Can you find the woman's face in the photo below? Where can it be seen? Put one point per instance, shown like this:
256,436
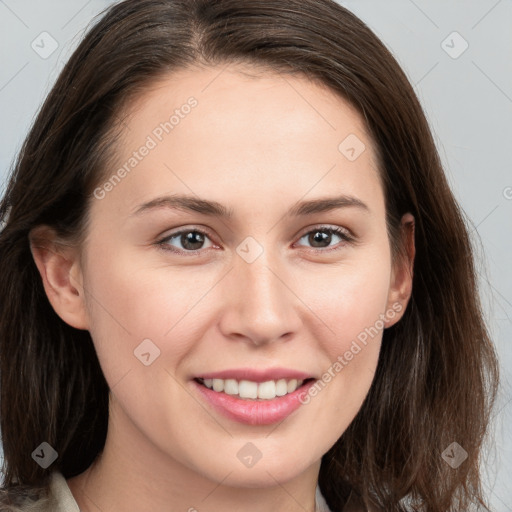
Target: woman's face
174,293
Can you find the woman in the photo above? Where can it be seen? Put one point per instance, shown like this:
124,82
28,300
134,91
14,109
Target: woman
174,335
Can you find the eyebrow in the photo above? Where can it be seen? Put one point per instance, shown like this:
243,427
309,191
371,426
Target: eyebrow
215,209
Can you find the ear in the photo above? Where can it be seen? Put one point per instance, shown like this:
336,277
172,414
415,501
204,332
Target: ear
402,274
59,266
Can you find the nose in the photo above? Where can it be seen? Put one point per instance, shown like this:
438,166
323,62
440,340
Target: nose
261,306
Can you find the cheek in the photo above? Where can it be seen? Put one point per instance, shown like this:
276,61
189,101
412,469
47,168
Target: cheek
351,308
348,300
129,302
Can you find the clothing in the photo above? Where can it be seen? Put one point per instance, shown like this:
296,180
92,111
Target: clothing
60,499
321,505
64,500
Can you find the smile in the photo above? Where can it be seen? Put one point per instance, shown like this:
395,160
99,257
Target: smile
247,389
264,406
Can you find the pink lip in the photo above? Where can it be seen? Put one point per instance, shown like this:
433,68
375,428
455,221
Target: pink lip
253,412
255,375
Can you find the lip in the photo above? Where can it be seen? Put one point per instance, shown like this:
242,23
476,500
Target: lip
253,412
256,375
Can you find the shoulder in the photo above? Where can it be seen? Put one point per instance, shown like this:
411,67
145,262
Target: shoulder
13,501
25,498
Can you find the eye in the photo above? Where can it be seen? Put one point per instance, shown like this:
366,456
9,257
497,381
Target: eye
191,241
322,235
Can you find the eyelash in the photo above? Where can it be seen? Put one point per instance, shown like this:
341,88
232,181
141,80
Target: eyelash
348,239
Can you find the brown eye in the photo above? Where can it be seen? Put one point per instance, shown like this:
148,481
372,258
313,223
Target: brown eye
323,236
191,240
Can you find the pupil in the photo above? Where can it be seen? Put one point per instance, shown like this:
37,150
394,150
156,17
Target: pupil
189,239
323,237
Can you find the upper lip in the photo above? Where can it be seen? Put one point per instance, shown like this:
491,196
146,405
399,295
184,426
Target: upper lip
256,375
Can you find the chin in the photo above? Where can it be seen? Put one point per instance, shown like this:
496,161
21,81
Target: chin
269,474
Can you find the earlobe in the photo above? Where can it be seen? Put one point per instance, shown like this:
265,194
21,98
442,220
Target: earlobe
402,273
60,272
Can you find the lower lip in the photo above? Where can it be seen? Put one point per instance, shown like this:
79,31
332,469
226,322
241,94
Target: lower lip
254,412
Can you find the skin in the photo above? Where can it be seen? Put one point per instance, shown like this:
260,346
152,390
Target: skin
256,145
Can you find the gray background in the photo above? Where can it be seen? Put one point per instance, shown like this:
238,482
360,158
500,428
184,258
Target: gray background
467,96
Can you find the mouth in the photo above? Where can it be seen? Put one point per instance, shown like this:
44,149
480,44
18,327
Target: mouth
251,390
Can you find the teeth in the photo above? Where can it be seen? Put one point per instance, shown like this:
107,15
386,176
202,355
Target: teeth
292,385
248,389
267,390
281,387
253,390
230,386
218,385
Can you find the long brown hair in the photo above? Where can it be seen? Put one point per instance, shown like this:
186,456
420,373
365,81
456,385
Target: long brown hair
437,374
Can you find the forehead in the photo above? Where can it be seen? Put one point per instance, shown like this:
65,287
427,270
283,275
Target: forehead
223,128
238,90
